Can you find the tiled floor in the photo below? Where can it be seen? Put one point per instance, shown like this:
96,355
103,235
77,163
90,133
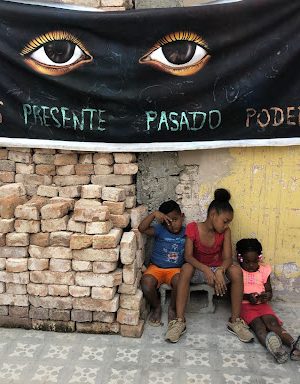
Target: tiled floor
206,354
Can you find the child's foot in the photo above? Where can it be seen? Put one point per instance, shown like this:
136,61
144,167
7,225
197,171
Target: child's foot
274,346
171,314
155,317
295,352
240,329
176,328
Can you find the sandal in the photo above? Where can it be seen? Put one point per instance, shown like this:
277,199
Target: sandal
295,347
274,346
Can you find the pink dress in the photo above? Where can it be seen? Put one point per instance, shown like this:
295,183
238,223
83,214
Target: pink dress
254,282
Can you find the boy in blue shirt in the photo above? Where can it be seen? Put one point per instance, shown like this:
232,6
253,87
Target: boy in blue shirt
167,257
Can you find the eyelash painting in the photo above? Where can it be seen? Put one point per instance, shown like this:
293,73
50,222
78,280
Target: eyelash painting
180,53
55,53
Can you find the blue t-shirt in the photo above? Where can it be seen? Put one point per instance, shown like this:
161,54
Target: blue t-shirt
168,248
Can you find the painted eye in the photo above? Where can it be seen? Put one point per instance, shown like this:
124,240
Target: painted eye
179,54
55,53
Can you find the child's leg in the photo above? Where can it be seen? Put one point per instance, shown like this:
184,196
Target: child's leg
272,325
172,306
149,287
259,328
183,289
236,277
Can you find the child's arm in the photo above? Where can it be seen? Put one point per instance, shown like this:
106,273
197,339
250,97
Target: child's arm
227,250
267,295
189,258
145,225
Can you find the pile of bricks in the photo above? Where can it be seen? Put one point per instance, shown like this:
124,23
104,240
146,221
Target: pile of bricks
70,252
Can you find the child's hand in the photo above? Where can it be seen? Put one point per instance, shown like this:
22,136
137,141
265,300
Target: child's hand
263,297
253,298
220,285
162,218
209,276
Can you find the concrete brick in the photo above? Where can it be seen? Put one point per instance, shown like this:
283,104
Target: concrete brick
113,194
3,154
70,191
83,266
128,247
7,177
90,210
111,180
63,170
55,225
7,166
10,299
102,328
18,311
101,169
103,293
43,158
130,289
12,189
53,325
4,310
31,182
115,207
132,330
75,226
80,241
91,191
137,215
38,313
84,169
89,279
112,3
38,264
65,158
63,181
13,252
30,226
109,240
2,287
104,317
90,254
104,266
16,265
45,169
17,239
103,158
131,301
128,316
49,277
59,314
130,273
20,157
54,210
85,158
76,291
140,258
81,316
120,221
98,227
47,191
51,302
40,239
60,239
89,304
16,289
37,289
16,278
7,225
126,169
58,290
130,190
60,265
67,200
45,151
2,264
8,205
130,202
27,169
124,157
31,209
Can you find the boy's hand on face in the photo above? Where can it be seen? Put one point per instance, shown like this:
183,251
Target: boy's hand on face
162,218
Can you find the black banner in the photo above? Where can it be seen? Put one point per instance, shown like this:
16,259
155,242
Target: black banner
187,77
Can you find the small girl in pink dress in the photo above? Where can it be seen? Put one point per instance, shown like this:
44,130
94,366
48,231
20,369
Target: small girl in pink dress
256,311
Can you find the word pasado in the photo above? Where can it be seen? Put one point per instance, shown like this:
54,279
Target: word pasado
179,121
273,117
63,117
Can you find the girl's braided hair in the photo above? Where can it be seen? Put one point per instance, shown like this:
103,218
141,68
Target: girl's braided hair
248,245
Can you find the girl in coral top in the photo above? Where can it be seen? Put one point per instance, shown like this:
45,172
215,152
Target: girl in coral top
208,257
255,308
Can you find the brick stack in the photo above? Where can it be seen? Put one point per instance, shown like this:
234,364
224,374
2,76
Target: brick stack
70,254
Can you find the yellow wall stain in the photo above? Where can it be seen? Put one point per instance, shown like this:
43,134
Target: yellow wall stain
264,183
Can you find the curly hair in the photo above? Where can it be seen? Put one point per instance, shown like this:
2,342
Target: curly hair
247,245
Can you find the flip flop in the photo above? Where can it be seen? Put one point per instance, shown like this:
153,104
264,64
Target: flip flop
295,346
274,346
155,323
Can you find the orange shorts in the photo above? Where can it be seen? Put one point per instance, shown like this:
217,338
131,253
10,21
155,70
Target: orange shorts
162,275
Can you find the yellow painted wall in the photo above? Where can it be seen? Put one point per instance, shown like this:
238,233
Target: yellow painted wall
265,187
